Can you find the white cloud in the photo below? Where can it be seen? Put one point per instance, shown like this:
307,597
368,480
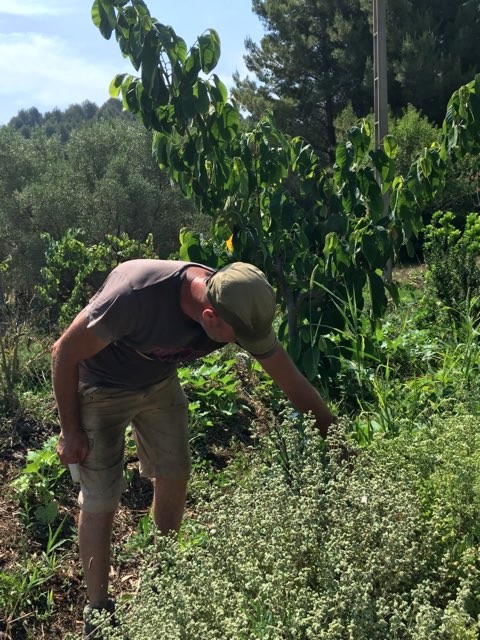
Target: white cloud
44,72
35,7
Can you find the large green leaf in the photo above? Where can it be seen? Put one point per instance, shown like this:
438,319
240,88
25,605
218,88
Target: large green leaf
218,90
200,97
116,85
390,146
192,65
104,18
370,251
385,166
188,103
130,96
209,48
377,294
240,176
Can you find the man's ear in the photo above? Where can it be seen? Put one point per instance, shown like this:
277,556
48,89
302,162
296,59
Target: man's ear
209,313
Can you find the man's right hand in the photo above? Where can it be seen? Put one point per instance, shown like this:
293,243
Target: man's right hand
73,447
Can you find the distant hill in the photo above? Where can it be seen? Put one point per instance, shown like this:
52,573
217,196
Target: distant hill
61,123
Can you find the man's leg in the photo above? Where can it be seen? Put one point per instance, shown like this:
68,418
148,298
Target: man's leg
169,503
94,538
162,439
105,414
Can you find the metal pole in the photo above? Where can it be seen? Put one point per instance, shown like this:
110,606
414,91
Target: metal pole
380,100
380,97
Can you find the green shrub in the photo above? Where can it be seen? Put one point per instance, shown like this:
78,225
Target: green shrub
303,547
75,270
413,133
452,255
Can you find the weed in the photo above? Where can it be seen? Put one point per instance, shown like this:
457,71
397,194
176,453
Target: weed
37,485
212,390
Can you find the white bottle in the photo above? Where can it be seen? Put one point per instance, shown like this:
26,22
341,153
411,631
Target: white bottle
74,472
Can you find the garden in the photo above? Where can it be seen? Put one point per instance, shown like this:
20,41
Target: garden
370,534
283,537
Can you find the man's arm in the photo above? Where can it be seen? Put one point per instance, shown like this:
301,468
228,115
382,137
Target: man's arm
75,345
304,397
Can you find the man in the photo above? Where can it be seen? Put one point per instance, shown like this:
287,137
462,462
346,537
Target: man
116,364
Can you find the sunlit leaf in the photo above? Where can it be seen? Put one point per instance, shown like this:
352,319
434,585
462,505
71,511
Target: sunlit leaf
104,18
390,146
116,85
209,48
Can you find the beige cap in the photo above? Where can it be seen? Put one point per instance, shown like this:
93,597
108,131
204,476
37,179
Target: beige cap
243,297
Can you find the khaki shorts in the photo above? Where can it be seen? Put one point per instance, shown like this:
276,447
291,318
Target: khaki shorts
159,419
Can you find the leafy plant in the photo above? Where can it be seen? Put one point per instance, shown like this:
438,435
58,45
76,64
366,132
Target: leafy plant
37,485
74,271
24,590
452,257
269,197
212,390
384,550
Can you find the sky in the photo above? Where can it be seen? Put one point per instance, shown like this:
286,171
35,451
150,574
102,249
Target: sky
52,55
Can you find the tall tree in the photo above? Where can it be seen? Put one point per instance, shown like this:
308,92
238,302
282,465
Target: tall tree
310,63
316,57
433,48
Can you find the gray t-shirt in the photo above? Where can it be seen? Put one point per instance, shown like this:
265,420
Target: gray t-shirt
137,311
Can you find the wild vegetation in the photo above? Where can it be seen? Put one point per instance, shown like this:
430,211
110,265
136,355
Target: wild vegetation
316,58
285,537
282,539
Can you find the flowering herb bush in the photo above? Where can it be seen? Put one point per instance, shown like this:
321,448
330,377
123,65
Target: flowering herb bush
305,546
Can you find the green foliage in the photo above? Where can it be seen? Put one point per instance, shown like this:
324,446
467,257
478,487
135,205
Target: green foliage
316,57
307,84
269,194
47,186
74,271
10,336
452,256
386,550
60,123
25,588
297,544
37,485
413,133
211,387
23,363
413,373
428,30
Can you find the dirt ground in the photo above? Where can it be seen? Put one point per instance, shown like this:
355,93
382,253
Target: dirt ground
17,543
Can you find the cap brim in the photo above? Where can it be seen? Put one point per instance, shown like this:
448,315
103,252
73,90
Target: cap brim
258,346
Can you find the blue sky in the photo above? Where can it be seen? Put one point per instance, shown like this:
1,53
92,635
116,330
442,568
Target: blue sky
51,54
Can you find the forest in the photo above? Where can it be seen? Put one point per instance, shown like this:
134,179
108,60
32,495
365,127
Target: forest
370,534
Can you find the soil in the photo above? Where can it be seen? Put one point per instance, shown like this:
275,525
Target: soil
413,275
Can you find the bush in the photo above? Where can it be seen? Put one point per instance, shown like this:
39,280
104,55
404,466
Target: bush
75,270
305,548
452,256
